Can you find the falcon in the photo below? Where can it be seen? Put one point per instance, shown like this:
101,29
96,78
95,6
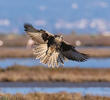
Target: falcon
52,49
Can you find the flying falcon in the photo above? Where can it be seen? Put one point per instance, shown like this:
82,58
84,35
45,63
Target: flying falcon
52,49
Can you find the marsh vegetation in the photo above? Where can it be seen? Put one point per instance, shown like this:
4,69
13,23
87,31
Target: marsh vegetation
36,73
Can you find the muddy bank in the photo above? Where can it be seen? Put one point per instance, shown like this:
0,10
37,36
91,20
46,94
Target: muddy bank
6,52
51,96
28,74
15,40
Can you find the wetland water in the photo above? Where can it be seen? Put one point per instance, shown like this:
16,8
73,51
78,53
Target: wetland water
102,89
90,63
93,88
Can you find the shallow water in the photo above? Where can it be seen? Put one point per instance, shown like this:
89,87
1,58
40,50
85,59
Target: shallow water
91,90
55,84
90,63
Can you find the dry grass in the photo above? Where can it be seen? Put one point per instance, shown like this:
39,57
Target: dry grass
14,40
96,52
54,96
6,52
88,40
56,74
13,43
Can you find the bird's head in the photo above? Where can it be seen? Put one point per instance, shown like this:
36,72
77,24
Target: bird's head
59,38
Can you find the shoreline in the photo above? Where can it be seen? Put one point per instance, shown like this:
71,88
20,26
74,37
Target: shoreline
52,96
41,74
54,85
7,52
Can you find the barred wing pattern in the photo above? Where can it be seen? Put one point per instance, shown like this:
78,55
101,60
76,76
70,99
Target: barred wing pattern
39,36
52,58
45,48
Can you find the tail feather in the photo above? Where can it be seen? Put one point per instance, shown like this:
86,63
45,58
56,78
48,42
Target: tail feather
49,62
56,57
45,59
52,62
52,58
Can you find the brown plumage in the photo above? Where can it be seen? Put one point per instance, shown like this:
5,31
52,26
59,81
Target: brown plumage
52,49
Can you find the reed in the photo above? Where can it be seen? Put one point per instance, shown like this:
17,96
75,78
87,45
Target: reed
52,96
39,73
6,52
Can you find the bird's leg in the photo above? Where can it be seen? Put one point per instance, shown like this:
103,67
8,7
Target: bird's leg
47,51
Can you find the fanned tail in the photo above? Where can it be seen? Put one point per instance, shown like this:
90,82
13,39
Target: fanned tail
52,62
56,59
52,58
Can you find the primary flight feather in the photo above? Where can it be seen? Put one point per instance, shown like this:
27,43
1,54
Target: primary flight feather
52,49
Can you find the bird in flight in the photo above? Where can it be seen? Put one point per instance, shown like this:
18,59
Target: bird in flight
52,49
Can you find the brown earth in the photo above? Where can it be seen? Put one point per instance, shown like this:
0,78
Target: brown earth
52,96
6,52
14,40
29,74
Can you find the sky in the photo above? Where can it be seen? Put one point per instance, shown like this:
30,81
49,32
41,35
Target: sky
56,16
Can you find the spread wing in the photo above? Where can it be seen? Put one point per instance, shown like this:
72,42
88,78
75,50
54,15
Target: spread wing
70,53
39,36
51,56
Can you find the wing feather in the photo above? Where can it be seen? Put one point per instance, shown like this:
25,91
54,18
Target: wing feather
40,51
39,36
47,53
75,55
69,52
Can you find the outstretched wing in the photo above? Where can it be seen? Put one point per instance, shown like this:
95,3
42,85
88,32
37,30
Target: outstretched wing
70,53
39,36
